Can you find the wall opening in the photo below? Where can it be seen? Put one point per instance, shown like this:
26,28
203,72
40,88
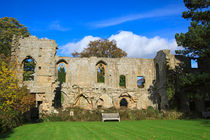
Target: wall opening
28,68
122,81
123,102
100,72
194,63
140,81
61,73
157,73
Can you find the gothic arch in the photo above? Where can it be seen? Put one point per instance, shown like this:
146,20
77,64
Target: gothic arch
83,101
126,100
123,102
101,61
61,70
101,71
28,66
61,61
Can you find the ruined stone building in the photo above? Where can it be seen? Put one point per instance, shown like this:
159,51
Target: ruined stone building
135,83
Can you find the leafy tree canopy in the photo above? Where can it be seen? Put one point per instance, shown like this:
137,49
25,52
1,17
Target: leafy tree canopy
8,28
196,41
101,48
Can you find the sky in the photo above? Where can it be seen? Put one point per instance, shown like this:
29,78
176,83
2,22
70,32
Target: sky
140,27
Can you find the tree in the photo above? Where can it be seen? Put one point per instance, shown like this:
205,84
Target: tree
61,75
14,100
8,28
196,41
101,48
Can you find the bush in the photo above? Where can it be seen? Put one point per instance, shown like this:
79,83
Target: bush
125,114
79,115
14,100
172,115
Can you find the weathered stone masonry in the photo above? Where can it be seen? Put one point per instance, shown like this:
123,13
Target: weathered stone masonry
81,87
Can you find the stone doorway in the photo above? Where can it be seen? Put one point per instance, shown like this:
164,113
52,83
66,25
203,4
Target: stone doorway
123,102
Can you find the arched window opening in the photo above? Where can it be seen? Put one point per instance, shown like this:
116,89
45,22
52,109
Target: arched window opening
100,73
140,81
61,73
123,103
122,81
28,68
157,73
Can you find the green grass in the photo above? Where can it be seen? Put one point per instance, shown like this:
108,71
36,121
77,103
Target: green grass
125,130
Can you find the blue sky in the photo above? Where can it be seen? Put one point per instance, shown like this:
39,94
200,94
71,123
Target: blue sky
73,23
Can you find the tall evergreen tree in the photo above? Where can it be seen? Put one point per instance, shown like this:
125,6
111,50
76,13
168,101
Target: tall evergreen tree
196,43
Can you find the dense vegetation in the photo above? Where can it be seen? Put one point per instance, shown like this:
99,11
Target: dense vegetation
14,100
125,130
192,85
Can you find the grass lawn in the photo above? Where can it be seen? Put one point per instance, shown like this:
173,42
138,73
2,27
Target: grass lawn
125,130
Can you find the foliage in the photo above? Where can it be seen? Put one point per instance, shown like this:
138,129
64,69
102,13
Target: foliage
101,48
195,84
61,75
122,81
8,28
125,114
196,41
14,101
100,73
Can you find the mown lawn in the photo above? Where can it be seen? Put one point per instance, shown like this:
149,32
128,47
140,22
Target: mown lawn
125,130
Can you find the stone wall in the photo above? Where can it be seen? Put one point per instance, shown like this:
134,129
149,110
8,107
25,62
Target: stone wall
81,87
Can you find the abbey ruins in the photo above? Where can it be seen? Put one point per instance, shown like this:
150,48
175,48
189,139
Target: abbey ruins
145,79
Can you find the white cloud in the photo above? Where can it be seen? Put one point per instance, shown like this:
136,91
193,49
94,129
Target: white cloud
169,11
55,25
71,47
44,38
141,46
135,45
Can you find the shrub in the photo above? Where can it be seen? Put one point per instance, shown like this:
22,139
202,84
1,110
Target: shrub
172,115
125,114
14,100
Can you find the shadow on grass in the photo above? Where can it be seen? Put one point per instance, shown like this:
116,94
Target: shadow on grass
111,121
205,122
6,135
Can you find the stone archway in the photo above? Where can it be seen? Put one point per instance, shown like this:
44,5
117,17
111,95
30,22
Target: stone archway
83,101
131,100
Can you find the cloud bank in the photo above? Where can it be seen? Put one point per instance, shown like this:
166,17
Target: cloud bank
135,45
